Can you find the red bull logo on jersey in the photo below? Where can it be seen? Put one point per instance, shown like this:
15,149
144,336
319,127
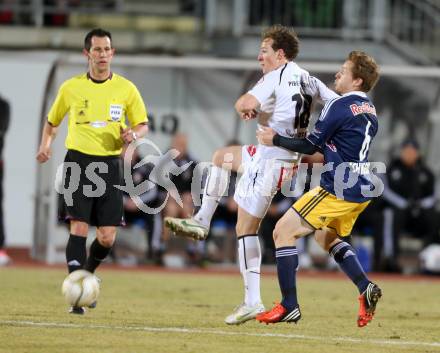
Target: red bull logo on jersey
365,108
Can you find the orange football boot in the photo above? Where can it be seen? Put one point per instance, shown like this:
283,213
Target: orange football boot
367,304
279,314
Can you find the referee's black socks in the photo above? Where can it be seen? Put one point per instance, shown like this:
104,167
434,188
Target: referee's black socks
97,254
76,252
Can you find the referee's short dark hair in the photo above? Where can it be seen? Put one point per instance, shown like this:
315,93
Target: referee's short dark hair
96,32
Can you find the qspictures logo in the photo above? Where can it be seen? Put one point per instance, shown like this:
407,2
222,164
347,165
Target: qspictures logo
68,175
162,167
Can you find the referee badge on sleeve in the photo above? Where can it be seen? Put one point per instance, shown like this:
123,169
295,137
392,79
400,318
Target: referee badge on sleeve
116,112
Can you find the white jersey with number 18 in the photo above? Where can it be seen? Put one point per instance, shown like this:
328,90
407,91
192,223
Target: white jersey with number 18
287,93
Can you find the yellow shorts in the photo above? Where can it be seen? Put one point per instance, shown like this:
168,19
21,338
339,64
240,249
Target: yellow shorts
321,209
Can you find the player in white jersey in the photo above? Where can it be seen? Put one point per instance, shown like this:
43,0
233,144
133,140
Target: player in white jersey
286,92
281,100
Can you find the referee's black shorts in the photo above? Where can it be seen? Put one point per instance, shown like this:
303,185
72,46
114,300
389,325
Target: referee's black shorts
92,198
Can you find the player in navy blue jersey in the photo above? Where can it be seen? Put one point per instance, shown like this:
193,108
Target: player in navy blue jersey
343,133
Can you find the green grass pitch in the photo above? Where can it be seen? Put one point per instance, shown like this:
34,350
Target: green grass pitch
151,311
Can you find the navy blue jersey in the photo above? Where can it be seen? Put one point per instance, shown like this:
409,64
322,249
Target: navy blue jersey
344,133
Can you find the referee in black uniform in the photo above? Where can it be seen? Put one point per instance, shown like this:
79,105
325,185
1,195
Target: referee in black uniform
98,103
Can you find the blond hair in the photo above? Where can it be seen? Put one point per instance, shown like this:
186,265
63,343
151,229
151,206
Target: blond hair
364,67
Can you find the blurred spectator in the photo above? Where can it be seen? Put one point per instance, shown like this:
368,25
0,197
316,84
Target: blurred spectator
408,204
150,222
4,124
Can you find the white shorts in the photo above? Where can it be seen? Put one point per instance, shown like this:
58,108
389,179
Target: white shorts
260,181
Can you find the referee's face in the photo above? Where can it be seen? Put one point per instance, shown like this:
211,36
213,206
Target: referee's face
100,55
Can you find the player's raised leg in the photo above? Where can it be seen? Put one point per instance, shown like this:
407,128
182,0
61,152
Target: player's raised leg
346,258
197,227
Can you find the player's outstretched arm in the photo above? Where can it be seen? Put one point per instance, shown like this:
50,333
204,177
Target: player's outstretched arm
267,136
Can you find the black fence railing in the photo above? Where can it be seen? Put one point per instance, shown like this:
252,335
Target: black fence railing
417,24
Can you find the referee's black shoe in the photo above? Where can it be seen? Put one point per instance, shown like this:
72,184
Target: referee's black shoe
78,310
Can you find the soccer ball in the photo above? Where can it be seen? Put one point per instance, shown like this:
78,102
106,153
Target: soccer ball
80,288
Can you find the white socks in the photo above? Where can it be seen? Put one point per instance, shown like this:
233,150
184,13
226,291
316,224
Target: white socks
215,188
249,255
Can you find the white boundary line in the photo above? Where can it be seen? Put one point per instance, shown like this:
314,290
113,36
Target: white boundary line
377,342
